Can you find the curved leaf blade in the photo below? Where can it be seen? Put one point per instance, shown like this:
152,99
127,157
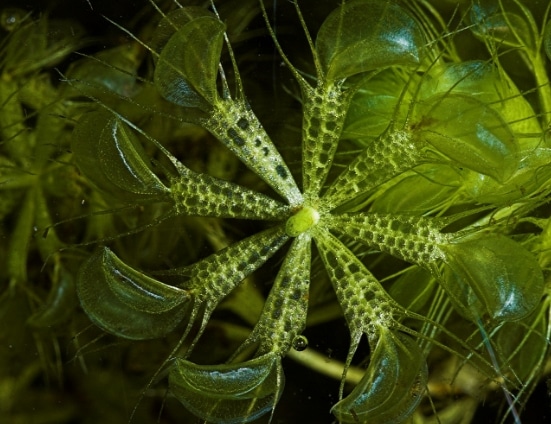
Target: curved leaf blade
493,275
469,133
230,393
187,76
392,386
109,153
125,302
364,35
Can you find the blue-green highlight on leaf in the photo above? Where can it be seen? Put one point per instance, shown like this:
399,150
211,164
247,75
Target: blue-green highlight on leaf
364,35
493,276
469,133
231,393
392,386
187,76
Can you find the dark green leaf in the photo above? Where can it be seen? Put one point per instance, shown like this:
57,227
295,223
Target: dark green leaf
231,393
125,302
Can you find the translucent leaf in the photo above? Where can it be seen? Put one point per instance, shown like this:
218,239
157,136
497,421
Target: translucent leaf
51,41
125,302
523,344
419,193
324,111
392,386
174,21
475,78
231,393
113,69
470,133
215,276
493,23
360,294
108,153
373,106
484,81
414,290
492,275
363,35
534,170
187,68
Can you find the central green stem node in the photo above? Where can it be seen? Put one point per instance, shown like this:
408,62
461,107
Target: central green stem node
302,221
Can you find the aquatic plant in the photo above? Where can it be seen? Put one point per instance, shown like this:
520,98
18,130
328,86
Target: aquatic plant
411,202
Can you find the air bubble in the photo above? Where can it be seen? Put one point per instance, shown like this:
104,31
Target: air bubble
11,18
300,343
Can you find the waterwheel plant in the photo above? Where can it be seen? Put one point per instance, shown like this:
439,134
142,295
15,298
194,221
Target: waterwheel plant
411,200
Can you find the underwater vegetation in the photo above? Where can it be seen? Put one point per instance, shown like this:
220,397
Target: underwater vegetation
214,206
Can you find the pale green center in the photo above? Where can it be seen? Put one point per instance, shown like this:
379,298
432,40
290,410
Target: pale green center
302,221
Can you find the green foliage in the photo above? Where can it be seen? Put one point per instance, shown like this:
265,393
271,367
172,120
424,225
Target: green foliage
367,35
412,202
125,302
114,158
392,385
493,275
227,393
189,79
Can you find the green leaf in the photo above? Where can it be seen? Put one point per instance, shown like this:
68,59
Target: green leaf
419,193
492,275
392,386
487,83
215,276
547,39
114,70
373,105
534,170
470,133
523,345
187,67
60,303
475,78
236,126
391,154
414,290
125,302
494,22
10,174
363,35
51,41
365,304
230,393
172,22
109,153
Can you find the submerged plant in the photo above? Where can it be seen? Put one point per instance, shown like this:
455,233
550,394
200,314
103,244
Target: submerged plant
38,187
418,199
